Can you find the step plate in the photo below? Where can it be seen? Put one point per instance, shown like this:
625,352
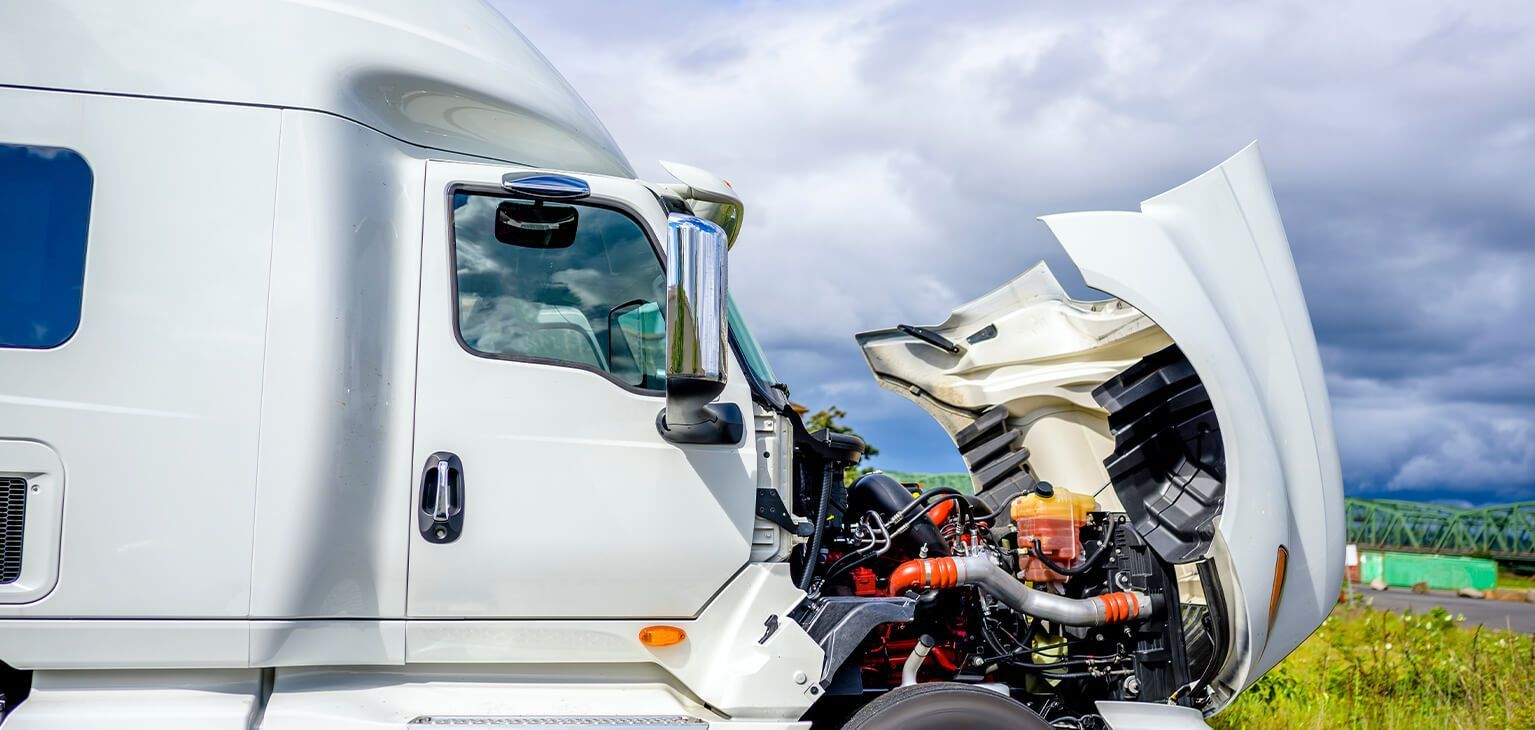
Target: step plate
614,722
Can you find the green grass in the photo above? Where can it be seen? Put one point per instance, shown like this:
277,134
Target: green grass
1509,579
1374,669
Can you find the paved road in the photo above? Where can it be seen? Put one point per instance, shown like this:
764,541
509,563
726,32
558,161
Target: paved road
1492,614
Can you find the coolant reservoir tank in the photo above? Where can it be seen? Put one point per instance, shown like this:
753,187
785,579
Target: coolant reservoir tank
1055,518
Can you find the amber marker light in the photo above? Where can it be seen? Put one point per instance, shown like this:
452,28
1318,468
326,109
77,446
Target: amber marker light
654,636
1281,562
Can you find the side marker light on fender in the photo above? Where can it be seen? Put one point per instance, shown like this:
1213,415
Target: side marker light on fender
1281,562
657,636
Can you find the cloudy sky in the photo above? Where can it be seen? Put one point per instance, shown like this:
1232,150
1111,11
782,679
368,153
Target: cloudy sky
894,156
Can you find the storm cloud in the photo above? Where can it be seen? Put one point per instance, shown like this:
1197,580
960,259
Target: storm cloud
894,156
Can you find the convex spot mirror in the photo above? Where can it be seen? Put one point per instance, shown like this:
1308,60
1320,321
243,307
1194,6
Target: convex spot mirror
710,197
536,224
696,336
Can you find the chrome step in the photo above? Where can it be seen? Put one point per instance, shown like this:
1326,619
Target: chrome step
606,722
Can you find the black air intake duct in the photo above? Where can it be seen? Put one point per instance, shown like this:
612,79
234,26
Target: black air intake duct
1169,463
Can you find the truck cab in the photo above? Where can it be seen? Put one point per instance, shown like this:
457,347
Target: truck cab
350,378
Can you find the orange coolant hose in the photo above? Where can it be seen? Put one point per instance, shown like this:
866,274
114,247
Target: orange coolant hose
977,570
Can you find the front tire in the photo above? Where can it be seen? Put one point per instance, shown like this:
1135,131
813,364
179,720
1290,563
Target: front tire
944,706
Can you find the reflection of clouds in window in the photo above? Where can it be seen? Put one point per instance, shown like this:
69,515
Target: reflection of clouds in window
46,153
474,227
496,324
557,304
588,286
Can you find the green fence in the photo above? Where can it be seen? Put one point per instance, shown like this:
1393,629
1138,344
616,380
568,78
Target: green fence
1440,572
956,481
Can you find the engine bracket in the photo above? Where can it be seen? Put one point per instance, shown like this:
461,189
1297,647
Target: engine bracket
840,623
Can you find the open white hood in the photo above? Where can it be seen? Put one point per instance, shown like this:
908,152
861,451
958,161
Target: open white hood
1205,266
1029,347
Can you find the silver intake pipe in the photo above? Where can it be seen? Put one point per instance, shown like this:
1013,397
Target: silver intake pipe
980,571
914,661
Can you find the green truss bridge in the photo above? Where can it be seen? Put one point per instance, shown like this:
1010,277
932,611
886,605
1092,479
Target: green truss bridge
1504,531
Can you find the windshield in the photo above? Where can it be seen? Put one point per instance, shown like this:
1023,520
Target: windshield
750,351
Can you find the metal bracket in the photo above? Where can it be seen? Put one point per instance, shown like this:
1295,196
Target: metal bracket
840,623
770,507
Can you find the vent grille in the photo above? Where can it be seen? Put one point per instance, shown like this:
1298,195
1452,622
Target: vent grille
13,515
998,461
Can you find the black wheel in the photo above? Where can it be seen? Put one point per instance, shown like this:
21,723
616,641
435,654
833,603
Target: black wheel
944,706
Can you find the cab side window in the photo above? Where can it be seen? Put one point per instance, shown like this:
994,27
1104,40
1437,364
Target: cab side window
45,211
566,284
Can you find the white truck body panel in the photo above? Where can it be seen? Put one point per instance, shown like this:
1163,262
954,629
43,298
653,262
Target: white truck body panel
727,664
338,384
153,406
160,700
1150,716
450,76
1209,262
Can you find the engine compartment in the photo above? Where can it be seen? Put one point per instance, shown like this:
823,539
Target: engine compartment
1041,592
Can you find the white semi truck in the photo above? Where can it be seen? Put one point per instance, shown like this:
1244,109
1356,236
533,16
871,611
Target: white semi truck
349,379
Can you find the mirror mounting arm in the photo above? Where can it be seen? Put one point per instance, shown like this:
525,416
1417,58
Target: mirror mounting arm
691,418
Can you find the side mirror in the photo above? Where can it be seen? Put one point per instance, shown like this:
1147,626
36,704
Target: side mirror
696,339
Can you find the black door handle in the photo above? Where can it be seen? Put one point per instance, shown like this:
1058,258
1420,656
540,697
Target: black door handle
440,512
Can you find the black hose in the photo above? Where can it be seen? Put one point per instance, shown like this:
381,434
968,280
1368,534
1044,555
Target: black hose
1075,675
939,492
1064,663
1087,564
843,567
992,516
912,518
840,567
864,554
813,557
920,505
909,520
880,494
920,502
962,501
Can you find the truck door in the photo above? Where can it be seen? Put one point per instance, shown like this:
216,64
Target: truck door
542,486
